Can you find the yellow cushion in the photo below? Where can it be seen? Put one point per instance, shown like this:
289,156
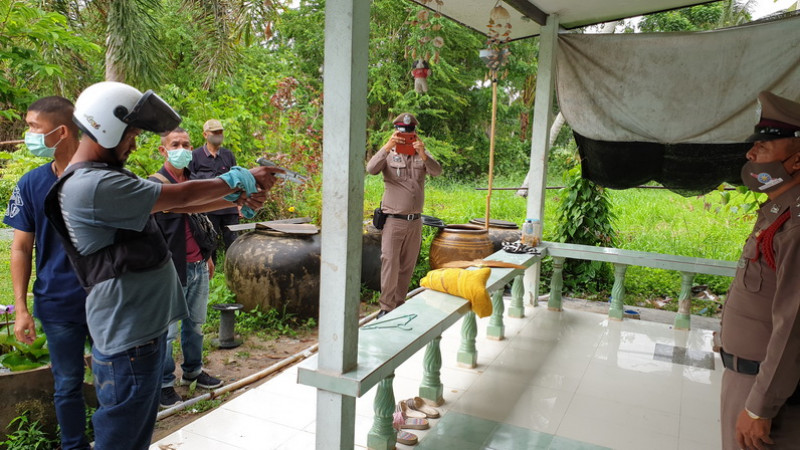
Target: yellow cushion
468,284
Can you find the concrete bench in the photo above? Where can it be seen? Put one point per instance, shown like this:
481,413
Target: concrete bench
621,259
387,343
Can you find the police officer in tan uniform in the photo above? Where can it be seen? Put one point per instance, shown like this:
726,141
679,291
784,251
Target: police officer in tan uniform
403,197
760,323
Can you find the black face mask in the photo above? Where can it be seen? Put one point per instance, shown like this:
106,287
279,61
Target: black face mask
765,177
405,128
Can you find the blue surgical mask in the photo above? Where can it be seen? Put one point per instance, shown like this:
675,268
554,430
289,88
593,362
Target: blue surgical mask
36,145
179,158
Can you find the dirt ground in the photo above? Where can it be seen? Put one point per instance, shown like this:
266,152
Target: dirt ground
231,365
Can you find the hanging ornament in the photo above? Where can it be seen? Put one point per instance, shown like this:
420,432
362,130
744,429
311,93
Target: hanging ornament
438,42
420,70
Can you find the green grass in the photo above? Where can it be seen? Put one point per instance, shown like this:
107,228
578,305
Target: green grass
650,220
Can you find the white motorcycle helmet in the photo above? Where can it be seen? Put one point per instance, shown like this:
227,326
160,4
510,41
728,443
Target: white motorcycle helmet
105,110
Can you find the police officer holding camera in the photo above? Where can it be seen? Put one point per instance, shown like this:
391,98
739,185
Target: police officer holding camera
404,163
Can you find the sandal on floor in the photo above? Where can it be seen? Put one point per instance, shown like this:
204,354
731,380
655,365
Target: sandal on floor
415,424
400,419
406,438
408,412
417,404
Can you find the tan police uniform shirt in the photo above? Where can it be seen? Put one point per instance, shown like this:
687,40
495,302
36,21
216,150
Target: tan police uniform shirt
404,179
760,319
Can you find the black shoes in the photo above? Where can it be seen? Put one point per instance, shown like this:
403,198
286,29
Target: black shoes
204,381
382,313
169,397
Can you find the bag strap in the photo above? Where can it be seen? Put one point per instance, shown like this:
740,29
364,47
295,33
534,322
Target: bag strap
160,177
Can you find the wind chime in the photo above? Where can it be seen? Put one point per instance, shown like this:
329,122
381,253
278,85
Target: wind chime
495,57
427,45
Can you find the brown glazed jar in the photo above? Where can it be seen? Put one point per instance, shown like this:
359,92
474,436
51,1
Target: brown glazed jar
463,242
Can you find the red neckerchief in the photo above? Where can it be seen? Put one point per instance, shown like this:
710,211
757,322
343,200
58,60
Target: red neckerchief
764,240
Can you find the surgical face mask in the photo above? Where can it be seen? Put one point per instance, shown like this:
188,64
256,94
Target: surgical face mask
179,158
215,139
765,177
35,143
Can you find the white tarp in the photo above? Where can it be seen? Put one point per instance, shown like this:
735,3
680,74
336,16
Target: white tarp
675,87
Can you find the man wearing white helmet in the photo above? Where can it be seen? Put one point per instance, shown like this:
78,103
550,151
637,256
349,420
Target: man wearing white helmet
102,213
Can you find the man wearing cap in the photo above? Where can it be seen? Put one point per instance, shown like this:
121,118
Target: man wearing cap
403,198
760,340
102,214
209,161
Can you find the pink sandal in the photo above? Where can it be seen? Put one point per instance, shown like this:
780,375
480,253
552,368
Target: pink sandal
406,438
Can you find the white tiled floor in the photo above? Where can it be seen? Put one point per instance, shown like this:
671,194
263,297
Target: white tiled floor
574,375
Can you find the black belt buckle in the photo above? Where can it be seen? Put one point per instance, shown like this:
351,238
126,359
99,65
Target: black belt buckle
408,217
741,365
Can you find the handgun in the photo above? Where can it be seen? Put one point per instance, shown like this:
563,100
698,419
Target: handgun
288,175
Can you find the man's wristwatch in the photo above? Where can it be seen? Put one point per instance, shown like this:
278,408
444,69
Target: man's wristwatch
752,415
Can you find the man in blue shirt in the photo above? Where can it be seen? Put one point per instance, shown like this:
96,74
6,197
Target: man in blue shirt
58,297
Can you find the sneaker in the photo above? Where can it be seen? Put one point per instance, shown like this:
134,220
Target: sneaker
204,380
169,397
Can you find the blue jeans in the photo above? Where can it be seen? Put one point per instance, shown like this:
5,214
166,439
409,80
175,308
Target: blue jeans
196,293
127,385
66,342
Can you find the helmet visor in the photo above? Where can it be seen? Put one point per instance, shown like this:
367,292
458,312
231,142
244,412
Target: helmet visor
151,113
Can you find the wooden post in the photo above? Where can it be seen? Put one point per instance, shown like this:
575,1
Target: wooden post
491,149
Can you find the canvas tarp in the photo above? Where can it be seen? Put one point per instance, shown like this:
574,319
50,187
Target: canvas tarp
672,102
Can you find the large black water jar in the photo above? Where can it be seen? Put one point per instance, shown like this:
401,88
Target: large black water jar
275,270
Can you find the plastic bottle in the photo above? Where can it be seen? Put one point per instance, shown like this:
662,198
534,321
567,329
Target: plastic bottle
527,232
536,232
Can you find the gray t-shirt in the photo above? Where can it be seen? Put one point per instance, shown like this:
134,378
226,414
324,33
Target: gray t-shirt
131,309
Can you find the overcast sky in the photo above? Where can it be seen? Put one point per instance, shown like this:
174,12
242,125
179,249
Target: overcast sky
767,7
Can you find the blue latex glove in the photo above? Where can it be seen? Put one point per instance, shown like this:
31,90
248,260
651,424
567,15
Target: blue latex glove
240,178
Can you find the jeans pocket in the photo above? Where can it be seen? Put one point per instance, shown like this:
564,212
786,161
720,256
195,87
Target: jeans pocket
104,382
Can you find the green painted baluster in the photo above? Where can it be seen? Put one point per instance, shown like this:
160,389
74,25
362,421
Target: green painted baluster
467,353
517,309
616,311
683,318
556,284
382,436
431,387
496,329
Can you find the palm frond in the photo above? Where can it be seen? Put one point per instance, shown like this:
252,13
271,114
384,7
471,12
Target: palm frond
132,45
